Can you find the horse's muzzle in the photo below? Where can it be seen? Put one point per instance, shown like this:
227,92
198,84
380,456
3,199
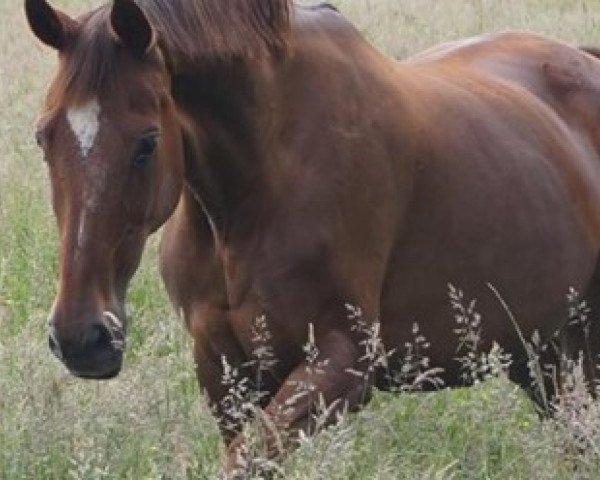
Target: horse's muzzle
97,353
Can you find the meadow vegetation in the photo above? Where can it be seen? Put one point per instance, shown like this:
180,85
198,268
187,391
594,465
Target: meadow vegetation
152,422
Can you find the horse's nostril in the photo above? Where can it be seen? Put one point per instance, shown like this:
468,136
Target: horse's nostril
97,337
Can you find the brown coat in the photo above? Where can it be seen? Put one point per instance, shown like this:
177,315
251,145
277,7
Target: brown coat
313,174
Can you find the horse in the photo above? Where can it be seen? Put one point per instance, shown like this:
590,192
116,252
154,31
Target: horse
310,187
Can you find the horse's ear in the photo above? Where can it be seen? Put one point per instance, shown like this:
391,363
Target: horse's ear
132,27
51,26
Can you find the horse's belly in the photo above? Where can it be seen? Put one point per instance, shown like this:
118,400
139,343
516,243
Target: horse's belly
529,286
505,216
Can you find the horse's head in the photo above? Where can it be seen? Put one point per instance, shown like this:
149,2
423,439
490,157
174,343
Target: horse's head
112,142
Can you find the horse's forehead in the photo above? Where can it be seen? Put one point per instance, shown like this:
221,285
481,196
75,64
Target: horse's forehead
84,121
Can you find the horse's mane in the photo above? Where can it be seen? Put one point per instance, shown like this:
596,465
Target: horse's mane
189,32
220,28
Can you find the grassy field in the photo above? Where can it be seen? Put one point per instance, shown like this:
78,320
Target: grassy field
152,422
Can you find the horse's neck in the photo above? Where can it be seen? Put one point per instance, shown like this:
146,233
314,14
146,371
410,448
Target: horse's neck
226,107
240,114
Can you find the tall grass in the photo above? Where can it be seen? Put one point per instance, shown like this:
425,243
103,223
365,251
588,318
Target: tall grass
152,422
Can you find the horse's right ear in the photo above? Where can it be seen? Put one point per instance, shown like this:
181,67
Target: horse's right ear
51,26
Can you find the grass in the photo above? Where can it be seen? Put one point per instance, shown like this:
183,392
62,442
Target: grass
152,422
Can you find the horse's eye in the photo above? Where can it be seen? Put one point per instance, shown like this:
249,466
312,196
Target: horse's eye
146,148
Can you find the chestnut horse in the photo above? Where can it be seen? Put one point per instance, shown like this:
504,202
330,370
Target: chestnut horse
298,171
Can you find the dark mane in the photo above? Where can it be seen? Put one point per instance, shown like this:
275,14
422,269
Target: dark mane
196,29
189,32
92,60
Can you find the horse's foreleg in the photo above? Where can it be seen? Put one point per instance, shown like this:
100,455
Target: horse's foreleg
218,361
327,382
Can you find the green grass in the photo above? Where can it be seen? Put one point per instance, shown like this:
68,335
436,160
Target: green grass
152,422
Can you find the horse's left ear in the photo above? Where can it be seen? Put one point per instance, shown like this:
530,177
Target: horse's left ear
132,27
51,26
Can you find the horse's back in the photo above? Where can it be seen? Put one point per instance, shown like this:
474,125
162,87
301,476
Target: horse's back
552,70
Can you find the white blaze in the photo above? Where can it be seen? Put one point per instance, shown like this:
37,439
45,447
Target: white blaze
85,123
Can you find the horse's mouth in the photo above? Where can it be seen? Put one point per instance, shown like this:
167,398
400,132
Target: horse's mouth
95,369
97,376
99,355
